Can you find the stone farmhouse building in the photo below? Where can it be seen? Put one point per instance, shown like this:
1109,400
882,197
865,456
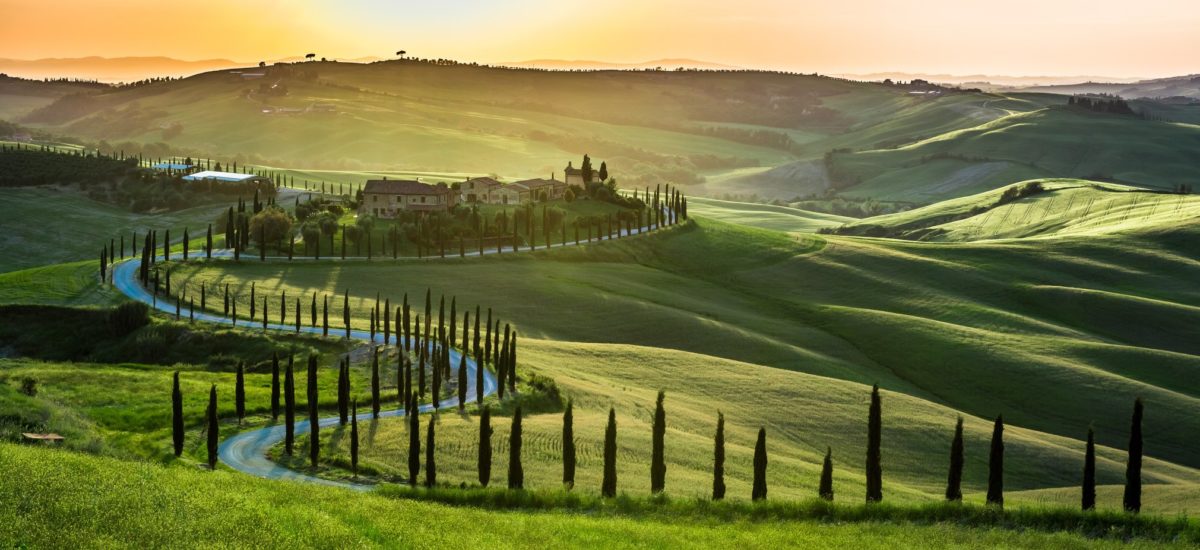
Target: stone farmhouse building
386,198
489,191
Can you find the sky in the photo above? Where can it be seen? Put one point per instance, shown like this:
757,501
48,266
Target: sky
1015,37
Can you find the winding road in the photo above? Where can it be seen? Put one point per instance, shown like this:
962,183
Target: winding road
247,451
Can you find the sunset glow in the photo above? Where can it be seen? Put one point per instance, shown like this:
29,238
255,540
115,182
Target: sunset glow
1151,38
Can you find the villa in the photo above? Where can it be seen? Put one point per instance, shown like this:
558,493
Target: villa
386,198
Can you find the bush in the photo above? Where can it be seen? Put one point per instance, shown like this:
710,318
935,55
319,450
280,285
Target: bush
128,317
29,386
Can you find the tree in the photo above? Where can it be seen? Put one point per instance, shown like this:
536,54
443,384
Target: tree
430,445
275,386
608,487
208,243
954,479
568,442
658,466
343,391
177,416
718,492
462,380
825,488
585,169
354,438
516,472
603,171
310,56
874,468
270,226
374,382
289,409
485,446
314,426
239,392
1089,472
759,490
1133,468
414,443
995,488
213,427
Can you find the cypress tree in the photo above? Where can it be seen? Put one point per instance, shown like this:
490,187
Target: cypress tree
289,409
516,473
324,315
275,386
718,490
568,442
954,479
825,489
314,427
462,380
759,490
343,393
487,341
476,332
313,311
239,392
485,446
346,312
1133,468
354,438
414,443
658,465
478,376
177,416
512,363
375,382
213,427
874,438
608,487
1089,472
430,445
297,315
453,318
995,489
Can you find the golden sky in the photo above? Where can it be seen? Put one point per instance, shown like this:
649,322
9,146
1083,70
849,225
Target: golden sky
1014,37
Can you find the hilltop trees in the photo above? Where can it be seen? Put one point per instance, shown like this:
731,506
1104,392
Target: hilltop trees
995,488
874,438
954,478
1133,468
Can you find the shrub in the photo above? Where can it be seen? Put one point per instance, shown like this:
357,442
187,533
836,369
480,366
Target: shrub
29,386
128,317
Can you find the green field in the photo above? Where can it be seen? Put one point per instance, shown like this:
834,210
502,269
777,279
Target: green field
765,216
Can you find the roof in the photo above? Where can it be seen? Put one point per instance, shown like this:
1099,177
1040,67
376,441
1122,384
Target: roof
172,166
404,187
219,176
485,181
572,171
536,183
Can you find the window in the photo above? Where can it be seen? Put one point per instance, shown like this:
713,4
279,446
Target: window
374,198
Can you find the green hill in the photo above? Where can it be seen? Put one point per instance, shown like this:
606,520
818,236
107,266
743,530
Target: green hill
1066,207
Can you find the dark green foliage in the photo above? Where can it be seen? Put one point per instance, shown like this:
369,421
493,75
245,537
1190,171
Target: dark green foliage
995,488
462,380
314,427
825,487
343,391
430,446
718,492
239,391
275,386
658,465
289,409
128,317
414,442
213,428
1089,472
759,488
177,416
954,479
375,400
516,472
568,443
354,438
874,439
485,446
1133,468
608,487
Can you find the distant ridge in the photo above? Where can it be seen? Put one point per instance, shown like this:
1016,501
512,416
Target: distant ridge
999,80
128,69
584,64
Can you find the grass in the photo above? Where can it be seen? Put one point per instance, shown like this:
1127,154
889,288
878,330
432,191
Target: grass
70,284
765,216
80,226
966,326
83,500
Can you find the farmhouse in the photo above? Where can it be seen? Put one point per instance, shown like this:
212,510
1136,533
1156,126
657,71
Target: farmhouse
490,191
534,189
232,177
478,189
386,198
574,176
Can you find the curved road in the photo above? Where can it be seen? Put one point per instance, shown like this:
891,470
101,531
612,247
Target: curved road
247,451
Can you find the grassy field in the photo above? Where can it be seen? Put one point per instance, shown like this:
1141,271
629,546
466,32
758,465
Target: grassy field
32,210
1069,207
967,326
765,216
88,501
